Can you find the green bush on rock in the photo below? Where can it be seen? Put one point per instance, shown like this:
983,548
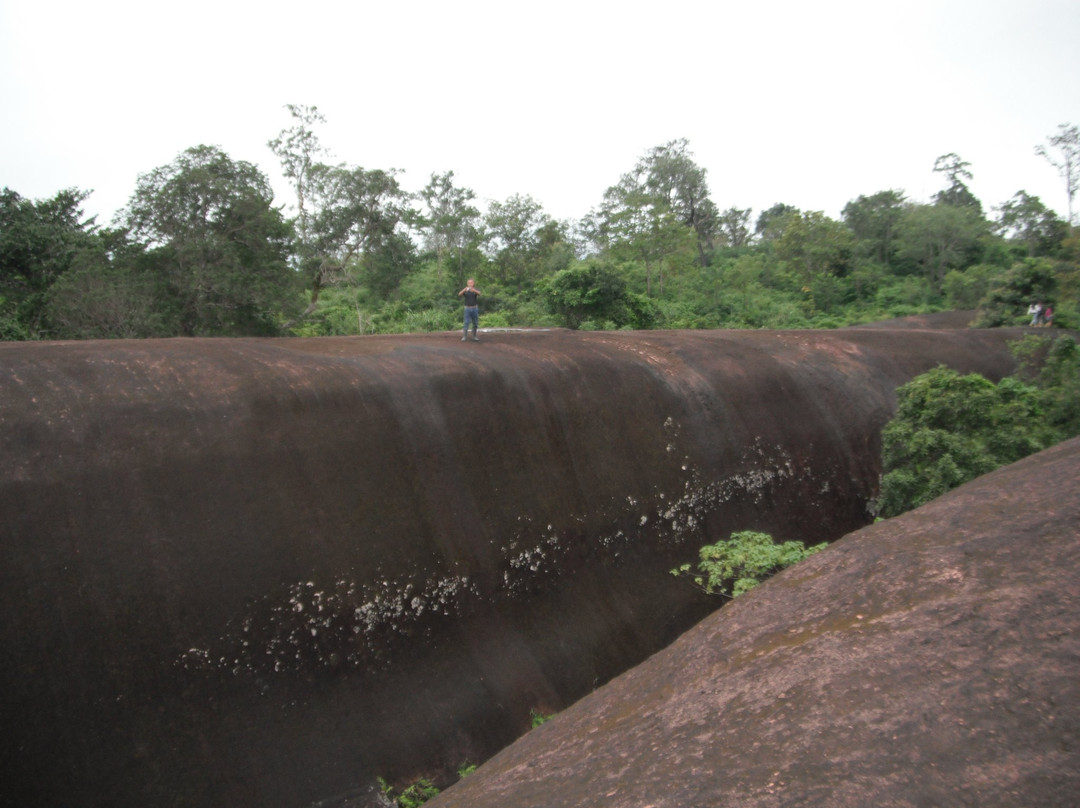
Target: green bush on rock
950,428
729,568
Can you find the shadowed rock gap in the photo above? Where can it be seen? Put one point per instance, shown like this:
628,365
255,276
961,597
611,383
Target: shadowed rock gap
931,659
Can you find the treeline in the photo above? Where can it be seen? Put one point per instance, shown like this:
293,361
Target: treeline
203,249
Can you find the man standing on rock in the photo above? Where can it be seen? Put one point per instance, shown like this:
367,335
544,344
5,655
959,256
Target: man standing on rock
472,309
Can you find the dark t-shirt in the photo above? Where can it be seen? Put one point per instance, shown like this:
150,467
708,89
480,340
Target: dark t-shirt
470,297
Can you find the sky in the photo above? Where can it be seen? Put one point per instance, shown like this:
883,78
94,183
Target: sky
810,104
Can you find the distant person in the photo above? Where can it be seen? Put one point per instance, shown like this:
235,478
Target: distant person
1048,315
1035,310
472,309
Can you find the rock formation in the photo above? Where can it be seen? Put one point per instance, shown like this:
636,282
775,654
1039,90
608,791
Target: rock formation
931,659
266,572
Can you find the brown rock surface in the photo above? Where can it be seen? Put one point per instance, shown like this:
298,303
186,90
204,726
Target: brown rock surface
264,572
931,659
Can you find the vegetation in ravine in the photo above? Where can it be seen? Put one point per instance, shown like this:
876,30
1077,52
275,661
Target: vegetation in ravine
203,248
950,428
412,796
730,568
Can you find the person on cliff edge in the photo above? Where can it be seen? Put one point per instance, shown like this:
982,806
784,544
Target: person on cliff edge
472,309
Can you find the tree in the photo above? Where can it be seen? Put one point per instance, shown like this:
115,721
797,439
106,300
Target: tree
39,241
771,222
1067,142
873,220
217,245
298,150
957,194
595,291
733,227
1025,219
673,179
110,292
451,222
342,211
937,238
815,245
355,212
631,219
513,237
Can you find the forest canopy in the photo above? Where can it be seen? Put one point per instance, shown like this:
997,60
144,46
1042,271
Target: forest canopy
204,249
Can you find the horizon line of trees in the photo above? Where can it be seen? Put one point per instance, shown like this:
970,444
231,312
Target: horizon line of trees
203,249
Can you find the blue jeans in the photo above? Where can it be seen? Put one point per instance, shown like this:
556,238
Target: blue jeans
472,315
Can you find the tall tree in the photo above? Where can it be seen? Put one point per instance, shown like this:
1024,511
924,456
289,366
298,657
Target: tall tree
671,176
450,221
1067,143
873,221
356,211
733,226
1027,220
957,193
298,149
217,243
513,236
344,213
632,220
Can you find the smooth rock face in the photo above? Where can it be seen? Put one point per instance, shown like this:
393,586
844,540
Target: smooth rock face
265,572
931,659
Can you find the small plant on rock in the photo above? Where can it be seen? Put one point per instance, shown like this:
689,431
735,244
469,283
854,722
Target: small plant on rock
537,718
412,796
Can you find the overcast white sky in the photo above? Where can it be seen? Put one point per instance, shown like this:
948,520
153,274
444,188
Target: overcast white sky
794,101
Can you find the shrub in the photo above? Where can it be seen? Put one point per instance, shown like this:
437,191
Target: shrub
729,568
413,796
950,429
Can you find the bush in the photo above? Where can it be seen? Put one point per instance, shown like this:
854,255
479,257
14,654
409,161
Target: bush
595,292
729,568
412,796
1007,301
950,429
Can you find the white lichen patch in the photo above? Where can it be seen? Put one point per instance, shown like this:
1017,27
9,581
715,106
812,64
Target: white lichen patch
312,628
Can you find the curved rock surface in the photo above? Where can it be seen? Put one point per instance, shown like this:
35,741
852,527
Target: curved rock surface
265,572
931,659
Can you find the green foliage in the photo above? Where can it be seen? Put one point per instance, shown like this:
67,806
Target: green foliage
964,289
1006,303
594,291
536,718
814,246
933,239
951,428
105,300
411,796
217,247
1053,366
39,242
729,568
206,251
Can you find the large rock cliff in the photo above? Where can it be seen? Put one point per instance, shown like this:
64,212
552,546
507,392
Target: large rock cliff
265,572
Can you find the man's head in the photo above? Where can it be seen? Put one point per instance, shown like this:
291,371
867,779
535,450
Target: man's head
470,282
